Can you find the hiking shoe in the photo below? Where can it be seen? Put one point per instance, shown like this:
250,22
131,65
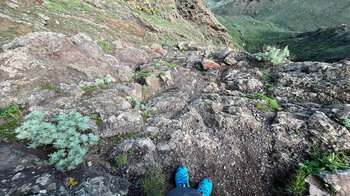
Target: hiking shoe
181,177
205,187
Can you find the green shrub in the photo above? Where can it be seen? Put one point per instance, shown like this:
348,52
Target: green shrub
273,55
47,85
64,132
154,184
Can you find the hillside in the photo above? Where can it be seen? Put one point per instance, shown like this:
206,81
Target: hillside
136,22
258,23
110,97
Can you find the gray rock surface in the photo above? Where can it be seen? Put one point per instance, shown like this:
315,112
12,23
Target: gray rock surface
170,113
315,188
23,172
339,181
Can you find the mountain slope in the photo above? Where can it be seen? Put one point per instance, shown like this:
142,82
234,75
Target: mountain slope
136,22
254,24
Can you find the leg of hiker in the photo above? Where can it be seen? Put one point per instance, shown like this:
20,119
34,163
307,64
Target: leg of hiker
184,191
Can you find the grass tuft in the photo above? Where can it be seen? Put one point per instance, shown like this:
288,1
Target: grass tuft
121,160
272,103
10,119
154,183
345,121
106,46
47,85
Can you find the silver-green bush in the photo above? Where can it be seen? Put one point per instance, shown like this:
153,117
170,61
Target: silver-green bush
64,132
273,55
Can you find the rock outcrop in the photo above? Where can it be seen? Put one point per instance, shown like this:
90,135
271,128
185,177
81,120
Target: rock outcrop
167,110
133,21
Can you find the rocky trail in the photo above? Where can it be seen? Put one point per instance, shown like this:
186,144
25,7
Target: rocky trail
169,108
243,123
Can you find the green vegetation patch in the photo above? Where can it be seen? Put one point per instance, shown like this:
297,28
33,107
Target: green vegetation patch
345,122
121,160
93,88
263,107
54,5
10,119
99,83
132,135
154,183
272,103
146,114
144,92
165,63
47,85
106,46
98,119
284,23
61,5
320,161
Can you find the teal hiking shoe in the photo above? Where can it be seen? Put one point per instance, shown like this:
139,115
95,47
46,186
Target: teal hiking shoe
205,187
181,177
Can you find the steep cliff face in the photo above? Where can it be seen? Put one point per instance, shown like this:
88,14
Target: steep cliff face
194,11
197,11
137,22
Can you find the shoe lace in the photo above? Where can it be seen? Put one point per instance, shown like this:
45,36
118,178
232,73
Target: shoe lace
183,179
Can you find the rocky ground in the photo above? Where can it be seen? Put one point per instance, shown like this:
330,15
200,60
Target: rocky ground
188,104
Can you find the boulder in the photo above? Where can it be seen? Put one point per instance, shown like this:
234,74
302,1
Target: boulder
339,181
209,64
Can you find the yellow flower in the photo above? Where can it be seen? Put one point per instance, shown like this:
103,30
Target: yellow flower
72,182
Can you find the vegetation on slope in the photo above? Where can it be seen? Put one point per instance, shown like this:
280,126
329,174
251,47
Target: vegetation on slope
105,20
282,22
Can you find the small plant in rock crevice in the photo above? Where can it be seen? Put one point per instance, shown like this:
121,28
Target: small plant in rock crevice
106,46
272,103
132,135
121,160
345,121
99,83
47,85
145,112
165,63
97,118
144,92
142,76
